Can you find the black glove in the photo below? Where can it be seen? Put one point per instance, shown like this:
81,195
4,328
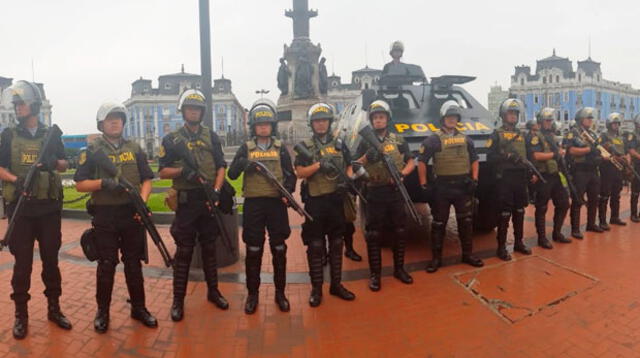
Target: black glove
373,155
472,186
244,164
190,174
215,196
427,191
325,165
110,184
49,163
19,183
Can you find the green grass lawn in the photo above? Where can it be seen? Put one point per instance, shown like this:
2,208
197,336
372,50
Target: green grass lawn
155,202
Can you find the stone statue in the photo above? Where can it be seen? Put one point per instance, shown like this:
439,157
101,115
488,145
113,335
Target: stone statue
324,77
283,77
304,76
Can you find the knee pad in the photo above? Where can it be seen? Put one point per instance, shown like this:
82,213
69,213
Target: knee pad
542,207
505,215
520,211
253,249
278,248
184,253
373,235
400,231
437,226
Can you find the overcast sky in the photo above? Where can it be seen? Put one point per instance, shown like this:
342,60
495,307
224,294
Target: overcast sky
86,52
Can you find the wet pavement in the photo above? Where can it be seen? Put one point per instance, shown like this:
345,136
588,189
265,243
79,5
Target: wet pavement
577,300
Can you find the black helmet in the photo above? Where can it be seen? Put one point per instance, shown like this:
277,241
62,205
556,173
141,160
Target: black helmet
510,104
614,117
23,92
546,114
192,97
108,108
379,106
263,111
450,108
584,113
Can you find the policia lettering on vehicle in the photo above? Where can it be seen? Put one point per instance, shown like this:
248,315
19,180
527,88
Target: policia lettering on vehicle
40,220
193,214
325,203
632,145
543,157
507,150
611,177
385,208
585,159
264,206
116,224
456,167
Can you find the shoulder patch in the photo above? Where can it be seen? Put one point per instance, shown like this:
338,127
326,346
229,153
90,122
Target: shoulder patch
570,135
83,157
421,151
535,140
630,137
489,142
161,151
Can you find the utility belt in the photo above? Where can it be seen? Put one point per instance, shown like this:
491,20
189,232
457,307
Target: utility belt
336,196
453,179
192,195
585,167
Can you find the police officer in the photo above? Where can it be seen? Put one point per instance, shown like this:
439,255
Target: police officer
325,202
541,147
40,219
610,176
507,148
533,128
456,167
193,215
115,221
632,144
264,206
385,208
585,159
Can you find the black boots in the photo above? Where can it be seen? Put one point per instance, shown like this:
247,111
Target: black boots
375,261
634,207
575,221
602,213
438,232
615,211
253,264
560,213
398,258
335,262
141,314
315,251
55,315
465,232
592,211
518,232
501,236
540,217
210,269
279,261
349,252
101,322
21,324
180,280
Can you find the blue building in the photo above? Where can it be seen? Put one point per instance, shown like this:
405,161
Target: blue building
556,84
153,111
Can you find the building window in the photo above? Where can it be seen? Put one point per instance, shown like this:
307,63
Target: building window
550,78
535,99
167,86
598,78
544,80
557,79
522,82
579,77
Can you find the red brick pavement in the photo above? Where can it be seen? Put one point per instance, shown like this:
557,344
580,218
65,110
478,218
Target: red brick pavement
578,300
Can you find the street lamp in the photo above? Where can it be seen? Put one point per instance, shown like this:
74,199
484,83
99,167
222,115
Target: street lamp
262,92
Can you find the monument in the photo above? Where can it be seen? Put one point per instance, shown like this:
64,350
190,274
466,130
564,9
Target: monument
299,76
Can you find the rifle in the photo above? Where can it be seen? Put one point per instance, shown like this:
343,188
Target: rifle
564,170
527,164
603,151
371,138
190,162
262,169
50,140
303,151
623,162
103,162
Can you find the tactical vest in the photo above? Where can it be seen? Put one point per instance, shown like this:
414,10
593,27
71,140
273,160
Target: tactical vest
585,158
24,153
323,183
378,174
201,148
510,141
255,184
125,160
550,166
617,142
453,159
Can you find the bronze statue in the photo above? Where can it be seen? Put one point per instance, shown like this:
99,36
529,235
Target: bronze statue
324,77
304,76
283,77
